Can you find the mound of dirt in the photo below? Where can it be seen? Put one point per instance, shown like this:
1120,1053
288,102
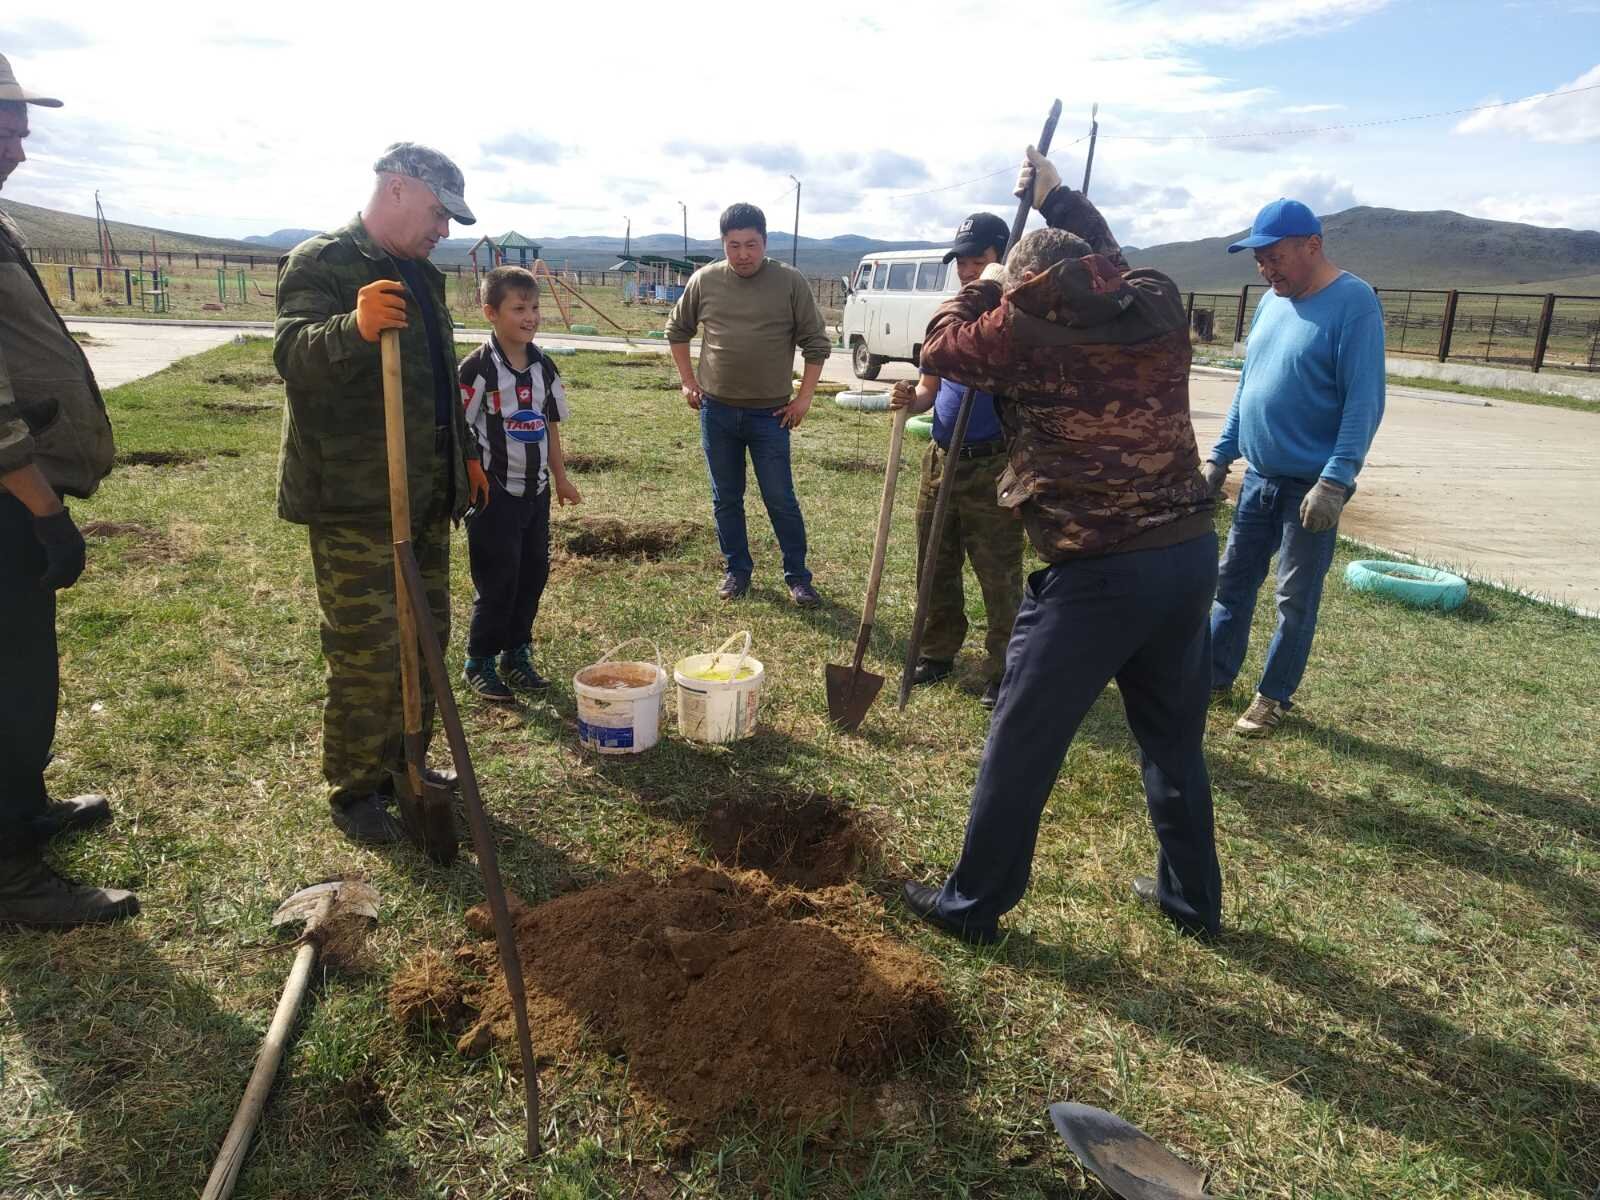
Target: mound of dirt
607,537
584,463
426,994
808,842
722,992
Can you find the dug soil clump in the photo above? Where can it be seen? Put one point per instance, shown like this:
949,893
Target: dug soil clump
144,544
587,463
607,537
724,995
807,842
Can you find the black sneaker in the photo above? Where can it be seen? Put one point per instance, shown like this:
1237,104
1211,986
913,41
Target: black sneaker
804,595
733,586
516,668
482,678
33,894
991,696
930,670
368,820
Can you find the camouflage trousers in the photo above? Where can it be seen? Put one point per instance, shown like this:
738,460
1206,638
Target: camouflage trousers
989,537
363,724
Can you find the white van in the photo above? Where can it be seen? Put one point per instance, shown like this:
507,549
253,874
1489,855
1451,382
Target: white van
891,298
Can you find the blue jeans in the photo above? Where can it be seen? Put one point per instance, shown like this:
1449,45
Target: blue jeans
725,433
1267,522
1138,618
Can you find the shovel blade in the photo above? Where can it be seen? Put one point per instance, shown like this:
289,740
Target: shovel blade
850,694
1126,1159
429,818
355,897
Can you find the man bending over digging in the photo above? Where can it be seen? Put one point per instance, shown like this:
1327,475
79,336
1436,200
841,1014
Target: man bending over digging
1102,465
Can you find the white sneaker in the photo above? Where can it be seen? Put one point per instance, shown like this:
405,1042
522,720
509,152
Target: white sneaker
1260,719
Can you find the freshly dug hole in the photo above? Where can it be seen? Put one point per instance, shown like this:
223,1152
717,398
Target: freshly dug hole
718,997
246,379
807,842
607,537
169,458
592,462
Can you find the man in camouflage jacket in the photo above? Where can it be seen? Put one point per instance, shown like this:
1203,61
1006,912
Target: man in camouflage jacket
336,293
1093,359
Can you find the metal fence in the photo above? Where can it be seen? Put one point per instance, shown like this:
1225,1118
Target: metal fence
1522,330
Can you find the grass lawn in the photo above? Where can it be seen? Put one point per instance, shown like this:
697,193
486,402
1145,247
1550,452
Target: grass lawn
1514,395
1404,1003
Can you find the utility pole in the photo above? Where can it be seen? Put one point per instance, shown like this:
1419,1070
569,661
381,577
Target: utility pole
685,208
794,256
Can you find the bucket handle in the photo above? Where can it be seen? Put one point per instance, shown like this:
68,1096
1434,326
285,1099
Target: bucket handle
743,654
606,657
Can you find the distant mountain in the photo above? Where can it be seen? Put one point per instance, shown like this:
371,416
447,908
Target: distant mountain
1395,248
47,228
282,239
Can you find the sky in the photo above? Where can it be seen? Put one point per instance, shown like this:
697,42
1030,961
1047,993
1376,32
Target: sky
575,118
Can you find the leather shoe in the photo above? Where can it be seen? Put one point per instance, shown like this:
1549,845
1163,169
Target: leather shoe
991,696
80,812
368,820
733,586
444,777
924,902
1144,890
33,894
930,670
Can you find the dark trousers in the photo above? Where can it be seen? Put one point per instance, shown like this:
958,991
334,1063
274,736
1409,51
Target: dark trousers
508,546
29,678
1138,618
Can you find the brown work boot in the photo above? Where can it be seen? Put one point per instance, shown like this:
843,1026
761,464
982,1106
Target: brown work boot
1260,719
80,812
31,893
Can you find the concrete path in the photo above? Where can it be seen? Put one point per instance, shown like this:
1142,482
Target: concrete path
1508,493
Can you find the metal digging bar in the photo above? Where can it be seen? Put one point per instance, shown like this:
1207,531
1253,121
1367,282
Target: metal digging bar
482,838
958,435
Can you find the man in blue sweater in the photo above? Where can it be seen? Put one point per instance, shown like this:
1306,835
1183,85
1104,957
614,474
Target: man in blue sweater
1309,402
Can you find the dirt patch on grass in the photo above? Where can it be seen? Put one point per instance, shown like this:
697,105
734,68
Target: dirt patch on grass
246,379
145,544
236,407
426,994
169,458
808,842
722,993
587,463
851,466
607,537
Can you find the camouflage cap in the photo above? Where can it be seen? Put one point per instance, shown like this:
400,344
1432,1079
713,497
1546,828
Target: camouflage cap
432,168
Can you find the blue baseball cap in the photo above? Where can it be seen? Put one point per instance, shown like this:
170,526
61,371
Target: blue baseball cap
1280,219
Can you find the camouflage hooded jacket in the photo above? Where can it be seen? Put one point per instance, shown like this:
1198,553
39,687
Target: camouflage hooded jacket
333,465
1093,359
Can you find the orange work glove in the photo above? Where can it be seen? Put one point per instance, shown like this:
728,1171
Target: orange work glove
380,305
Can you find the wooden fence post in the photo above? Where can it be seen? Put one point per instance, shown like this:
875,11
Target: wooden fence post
1238,324
1447,323
1541,340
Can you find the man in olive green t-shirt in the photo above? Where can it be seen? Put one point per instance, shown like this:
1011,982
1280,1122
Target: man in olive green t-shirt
752,313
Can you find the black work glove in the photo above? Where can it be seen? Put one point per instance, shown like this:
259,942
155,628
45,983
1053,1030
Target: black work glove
64,550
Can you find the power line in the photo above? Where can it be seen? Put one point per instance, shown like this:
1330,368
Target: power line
1264,133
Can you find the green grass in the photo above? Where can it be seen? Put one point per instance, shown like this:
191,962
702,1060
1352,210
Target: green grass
1403,1004
1514,395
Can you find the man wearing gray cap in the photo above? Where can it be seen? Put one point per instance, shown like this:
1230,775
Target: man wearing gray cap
336,293
55,441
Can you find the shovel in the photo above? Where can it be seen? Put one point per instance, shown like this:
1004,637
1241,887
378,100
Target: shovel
851,690
313,905
1123,1157
425,808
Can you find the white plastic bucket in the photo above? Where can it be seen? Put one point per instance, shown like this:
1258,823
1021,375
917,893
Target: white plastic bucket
620,703
719,710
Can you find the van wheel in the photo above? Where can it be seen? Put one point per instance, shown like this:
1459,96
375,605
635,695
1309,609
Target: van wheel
865,365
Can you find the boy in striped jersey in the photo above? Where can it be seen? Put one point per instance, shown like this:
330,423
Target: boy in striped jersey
515,405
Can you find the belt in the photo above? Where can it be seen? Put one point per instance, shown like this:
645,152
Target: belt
979,449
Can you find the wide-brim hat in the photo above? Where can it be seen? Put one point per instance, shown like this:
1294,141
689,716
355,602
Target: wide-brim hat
10,89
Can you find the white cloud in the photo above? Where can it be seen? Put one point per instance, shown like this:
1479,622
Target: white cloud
1575,210
1563,119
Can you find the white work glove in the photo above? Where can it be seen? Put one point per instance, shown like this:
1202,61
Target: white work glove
994,273
1319,511
1039,174
1214,473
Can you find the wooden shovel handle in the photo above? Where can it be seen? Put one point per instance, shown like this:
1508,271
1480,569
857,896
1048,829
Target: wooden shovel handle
394,427
880,545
